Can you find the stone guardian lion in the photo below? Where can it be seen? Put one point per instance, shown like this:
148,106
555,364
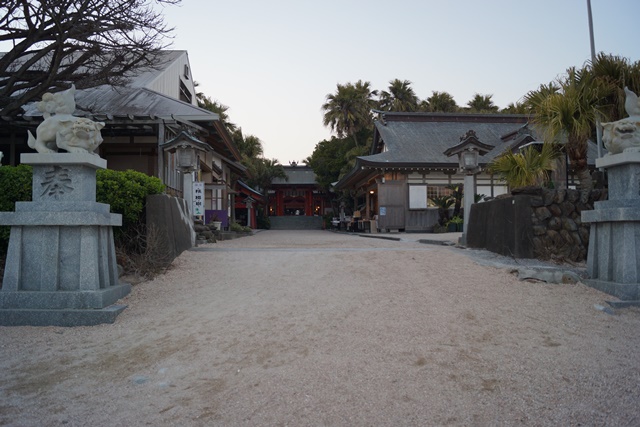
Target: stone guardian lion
625,133
61,130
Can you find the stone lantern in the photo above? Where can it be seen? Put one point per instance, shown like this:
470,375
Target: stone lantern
186,147
468,151
186,157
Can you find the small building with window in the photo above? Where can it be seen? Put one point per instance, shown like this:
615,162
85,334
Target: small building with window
407,166
143,119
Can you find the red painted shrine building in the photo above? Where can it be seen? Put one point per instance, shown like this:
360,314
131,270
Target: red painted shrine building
299,194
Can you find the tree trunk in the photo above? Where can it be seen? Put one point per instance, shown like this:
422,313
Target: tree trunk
585,185
355,139
577,151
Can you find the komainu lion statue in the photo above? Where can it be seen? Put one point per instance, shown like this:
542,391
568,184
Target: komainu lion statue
61,130
621,135
624,134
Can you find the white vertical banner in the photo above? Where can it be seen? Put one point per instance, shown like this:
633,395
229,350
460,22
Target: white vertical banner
198,198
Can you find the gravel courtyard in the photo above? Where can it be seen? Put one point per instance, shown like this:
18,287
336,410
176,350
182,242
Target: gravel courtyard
319,328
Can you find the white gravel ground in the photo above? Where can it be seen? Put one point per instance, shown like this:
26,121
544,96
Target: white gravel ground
317,328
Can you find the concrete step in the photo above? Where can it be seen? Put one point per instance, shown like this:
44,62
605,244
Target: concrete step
296,222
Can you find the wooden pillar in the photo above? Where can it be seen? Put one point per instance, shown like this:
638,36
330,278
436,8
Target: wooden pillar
308,203
367,211
233,208
279,203
355,201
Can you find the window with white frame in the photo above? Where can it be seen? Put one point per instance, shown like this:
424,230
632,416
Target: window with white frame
434,191
417,196
216,199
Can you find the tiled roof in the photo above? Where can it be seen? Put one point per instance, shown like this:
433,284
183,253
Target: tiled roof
297,175
425,142
419,140
108,100
249,190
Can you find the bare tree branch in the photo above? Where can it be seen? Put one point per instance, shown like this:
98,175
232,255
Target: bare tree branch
57,43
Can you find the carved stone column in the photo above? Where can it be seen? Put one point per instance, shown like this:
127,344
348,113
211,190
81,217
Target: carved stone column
613,259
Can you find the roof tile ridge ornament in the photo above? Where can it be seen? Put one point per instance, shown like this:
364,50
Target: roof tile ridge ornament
468,151
469,134
524,129
382,117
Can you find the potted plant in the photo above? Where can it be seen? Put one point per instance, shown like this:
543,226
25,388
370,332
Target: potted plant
215,221
443,203
455,224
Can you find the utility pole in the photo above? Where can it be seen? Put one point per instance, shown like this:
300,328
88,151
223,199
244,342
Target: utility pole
593,60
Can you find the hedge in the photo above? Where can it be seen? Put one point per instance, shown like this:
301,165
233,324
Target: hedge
126,192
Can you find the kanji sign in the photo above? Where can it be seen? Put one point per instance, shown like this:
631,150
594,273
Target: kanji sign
198,198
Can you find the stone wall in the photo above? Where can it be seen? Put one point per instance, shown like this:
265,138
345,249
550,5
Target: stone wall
205,233
170,218
536,223
558,231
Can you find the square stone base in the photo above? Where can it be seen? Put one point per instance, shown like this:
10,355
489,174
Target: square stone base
624,291
63,300
65,317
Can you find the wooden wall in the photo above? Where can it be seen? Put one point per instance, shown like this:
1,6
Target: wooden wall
392,196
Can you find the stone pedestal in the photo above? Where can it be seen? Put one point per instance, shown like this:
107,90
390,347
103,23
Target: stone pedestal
613,260
470,191
61,266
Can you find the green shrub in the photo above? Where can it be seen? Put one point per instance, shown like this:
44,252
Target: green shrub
234,226
126,192
326,220
456,220
263,221
15,186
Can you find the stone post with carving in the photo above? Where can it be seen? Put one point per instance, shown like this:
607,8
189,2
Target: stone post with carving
61,264
613,259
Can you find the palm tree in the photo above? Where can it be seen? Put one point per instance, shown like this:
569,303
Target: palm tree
443,203
250,147
214,106
400,97
349,110
615,73
262,172
514,108
440,102
482,104
570,111
527,167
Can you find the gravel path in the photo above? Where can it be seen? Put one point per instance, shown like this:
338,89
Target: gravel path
319,328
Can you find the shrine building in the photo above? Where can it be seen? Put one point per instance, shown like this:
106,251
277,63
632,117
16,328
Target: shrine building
299,194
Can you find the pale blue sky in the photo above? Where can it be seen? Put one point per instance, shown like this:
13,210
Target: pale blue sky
273,62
